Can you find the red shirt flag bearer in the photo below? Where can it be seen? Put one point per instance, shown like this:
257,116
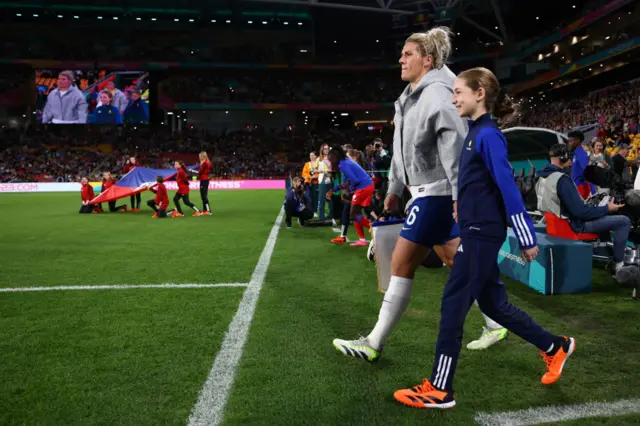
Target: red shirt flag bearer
107,182
137,198
203,177
86,192
161,202
182,178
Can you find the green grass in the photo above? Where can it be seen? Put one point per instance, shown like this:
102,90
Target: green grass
141,356
108,357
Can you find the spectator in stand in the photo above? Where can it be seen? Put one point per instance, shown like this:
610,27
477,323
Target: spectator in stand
66,104
620,161
107,182
310,176
598,156
161,202
325,183
182,178
580,162
86,193
624,138
203,177
137,198
137,111
633,127
106,113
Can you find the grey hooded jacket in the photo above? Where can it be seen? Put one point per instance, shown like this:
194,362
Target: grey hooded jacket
428,137
69,107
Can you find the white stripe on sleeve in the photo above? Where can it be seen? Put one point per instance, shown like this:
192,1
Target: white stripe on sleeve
526,228
518,230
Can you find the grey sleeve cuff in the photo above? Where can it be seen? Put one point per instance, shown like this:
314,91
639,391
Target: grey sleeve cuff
396,188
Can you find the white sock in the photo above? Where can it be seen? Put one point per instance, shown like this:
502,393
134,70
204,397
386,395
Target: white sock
619,266
396,299
344,231
491,324
363,239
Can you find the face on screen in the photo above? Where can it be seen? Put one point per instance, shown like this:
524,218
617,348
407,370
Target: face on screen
105,99
63,82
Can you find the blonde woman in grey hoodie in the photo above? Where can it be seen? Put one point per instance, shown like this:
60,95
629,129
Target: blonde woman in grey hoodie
65,104
427,143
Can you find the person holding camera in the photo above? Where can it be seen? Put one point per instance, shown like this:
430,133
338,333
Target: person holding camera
381,164
557,194
297,203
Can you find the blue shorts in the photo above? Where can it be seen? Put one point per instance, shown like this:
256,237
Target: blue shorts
430,222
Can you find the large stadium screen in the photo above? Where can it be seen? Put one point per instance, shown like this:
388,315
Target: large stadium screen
92,97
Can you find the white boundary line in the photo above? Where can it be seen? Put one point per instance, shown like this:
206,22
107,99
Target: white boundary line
559,413
116,287
209,409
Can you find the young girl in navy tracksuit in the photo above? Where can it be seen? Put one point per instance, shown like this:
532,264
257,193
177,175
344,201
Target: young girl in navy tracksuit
488,201
107,114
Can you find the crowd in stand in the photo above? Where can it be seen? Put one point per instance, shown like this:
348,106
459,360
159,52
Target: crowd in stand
617,104
282,88
68,153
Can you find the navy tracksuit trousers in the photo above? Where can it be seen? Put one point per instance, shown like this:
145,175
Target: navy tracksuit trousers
475,276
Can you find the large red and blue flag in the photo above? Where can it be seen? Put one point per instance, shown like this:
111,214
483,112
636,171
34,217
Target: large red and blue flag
136,181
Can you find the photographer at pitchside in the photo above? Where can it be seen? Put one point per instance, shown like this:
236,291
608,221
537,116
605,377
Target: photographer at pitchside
297,203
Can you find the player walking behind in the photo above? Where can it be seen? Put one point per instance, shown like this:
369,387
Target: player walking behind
356,179
427,143
488,200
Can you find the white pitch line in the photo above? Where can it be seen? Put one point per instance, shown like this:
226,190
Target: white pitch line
209,409
559,413
117,287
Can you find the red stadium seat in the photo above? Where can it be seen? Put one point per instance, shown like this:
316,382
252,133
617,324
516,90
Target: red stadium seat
560,228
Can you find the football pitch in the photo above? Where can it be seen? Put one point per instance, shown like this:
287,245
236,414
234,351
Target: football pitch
120,319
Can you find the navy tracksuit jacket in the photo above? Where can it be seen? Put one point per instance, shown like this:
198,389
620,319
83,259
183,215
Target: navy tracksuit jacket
488,200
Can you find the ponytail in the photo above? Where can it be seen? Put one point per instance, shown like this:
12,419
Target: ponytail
435,43
505,110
